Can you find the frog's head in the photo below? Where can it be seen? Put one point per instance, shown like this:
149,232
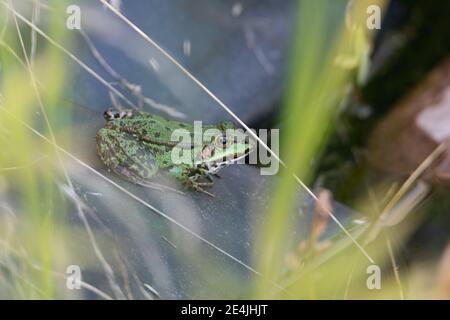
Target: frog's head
112,114
225,149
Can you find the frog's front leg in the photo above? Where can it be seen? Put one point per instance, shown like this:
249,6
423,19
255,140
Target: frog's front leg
189,177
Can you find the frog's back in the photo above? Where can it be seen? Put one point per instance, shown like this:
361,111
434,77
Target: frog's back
144,125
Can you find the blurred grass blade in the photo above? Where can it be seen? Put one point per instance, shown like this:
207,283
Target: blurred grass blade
324,57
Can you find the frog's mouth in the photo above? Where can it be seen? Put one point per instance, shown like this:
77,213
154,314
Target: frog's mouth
214,167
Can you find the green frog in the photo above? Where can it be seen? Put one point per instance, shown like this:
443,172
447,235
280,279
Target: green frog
136,145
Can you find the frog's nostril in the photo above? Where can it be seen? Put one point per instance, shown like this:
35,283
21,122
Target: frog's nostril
115,114
107,115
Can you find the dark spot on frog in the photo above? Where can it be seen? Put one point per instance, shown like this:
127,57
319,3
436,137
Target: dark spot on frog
130,138
157,134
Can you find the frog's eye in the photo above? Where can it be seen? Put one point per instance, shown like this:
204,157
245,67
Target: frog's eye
223,141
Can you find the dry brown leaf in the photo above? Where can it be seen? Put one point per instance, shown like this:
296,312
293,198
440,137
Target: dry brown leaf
415,127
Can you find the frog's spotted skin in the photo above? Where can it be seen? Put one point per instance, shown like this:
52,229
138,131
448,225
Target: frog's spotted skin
124,155
155,129
136,144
